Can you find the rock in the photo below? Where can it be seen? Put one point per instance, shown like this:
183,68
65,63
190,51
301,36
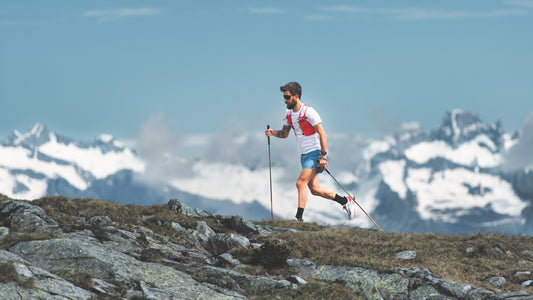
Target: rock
471,250
228,260
4,231
177,226
496,281
23,217
247,282
406,255
241,225
221,242
515,295
177,206
446,287
527,252
99,221
499,250
201,234
87,257
42,284
296,279
522,273
104,288
367,283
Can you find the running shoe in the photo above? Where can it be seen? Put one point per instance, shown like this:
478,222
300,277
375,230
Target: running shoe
349,207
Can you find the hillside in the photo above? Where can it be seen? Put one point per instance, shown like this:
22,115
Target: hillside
86,249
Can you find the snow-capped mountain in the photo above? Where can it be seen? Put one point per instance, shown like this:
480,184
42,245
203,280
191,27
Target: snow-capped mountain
449,180
30,161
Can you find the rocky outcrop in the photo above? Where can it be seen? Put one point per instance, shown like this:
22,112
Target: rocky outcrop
95,259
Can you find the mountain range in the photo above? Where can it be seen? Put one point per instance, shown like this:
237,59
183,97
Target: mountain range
454,179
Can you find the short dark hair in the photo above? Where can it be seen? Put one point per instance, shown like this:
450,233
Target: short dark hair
293,87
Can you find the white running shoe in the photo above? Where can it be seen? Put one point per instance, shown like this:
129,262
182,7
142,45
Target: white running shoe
349,207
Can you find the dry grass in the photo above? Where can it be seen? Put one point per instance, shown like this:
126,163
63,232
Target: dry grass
8,274
445,256
14,238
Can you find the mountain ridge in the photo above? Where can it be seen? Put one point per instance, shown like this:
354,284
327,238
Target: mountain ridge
447,180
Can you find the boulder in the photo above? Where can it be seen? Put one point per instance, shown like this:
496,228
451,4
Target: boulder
23,217
88,257
36,283
222,242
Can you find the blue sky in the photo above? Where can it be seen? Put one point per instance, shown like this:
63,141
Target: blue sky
88,67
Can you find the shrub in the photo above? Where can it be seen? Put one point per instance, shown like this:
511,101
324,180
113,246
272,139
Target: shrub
271,254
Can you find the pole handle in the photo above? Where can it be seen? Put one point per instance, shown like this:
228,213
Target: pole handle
268,127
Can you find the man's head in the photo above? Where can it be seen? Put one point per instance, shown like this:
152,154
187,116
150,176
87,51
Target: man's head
292,92
293,88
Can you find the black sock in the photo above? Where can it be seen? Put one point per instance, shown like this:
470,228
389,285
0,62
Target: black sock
340,200
299,213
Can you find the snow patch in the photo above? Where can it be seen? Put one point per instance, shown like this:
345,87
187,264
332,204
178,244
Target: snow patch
376,147
93,160
22,159
393,173
105,137
36,187
448,189
472,153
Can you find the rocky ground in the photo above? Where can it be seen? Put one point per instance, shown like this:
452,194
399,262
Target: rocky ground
71,255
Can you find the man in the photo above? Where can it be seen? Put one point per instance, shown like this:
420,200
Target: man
312,145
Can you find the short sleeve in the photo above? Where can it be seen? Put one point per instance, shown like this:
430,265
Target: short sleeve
285,120
313,117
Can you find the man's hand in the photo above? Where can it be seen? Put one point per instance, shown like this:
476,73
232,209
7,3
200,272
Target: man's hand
269,132
323,163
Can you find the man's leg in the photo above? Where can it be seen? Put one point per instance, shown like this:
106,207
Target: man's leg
324,192
301,185
318,190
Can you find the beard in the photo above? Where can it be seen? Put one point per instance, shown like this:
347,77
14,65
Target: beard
291,105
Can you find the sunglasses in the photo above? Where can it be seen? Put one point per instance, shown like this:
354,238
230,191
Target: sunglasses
287,96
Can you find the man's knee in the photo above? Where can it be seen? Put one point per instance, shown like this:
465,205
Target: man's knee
301,184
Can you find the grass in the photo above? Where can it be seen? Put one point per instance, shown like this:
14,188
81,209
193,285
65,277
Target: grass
15,237
8,273
446,256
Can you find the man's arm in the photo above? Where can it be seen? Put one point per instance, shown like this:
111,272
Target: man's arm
283,133
323,138
323,145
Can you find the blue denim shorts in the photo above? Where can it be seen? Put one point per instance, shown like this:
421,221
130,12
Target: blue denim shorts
310,160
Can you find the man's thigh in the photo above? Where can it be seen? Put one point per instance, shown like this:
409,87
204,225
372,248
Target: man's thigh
306,176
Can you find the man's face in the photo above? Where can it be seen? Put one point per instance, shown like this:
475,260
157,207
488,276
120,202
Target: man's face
291,101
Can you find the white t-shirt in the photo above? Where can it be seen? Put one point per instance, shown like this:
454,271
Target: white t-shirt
309,143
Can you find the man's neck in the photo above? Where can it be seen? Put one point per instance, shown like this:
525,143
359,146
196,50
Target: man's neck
297,106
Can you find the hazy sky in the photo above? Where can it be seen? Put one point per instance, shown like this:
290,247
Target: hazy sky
87,67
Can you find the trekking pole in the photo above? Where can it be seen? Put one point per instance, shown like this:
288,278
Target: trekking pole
270,172
353,198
